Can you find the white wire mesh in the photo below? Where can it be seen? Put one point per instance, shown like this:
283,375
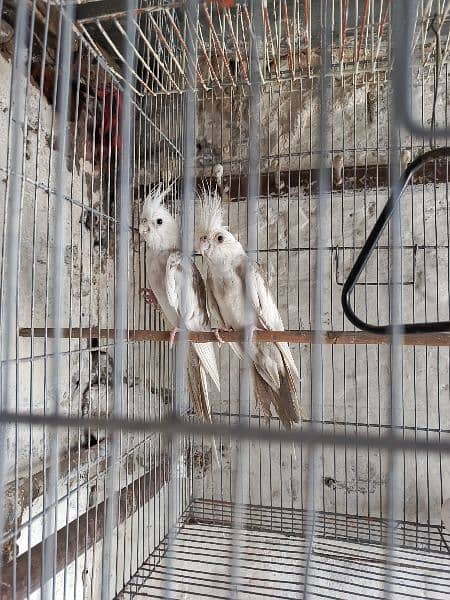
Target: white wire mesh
293,101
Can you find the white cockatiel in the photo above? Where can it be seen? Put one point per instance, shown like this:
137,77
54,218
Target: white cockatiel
177,286
274,371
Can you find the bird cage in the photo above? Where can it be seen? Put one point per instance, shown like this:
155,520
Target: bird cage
322,126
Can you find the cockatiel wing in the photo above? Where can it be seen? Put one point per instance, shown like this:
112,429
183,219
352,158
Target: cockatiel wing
186,292
215,314
187,296
275,372
266,311
211,302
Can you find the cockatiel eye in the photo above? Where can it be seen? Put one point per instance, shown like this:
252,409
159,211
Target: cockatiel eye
159,221
220,238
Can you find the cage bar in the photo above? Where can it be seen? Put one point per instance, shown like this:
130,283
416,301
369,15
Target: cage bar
290,109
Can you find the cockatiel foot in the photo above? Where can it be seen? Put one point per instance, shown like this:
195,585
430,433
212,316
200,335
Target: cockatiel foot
173,333
252,331
149,296
218,336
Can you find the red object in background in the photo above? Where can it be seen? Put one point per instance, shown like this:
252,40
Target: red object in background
108,127
48,79
224,3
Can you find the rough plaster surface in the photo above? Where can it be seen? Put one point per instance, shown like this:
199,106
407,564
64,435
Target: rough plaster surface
358,125
82,293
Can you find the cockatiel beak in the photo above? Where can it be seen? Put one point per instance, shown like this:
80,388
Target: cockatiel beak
204,245
144,226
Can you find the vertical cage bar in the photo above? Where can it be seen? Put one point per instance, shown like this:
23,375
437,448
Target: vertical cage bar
241,483
62,104
122,231
317,392
177,442
395,291
10,256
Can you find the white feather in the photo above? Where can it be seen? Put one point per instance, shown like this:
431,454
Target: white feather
182,283
229,272
177,284
211,211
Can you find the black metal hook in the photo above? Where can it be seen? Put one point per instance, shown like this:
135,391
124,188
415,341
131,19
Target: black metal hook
370,244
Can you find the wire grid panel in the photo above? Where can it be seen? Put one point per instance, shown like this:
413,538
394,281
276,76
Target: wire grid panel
289,47
352,484
273,565
90,204
357,393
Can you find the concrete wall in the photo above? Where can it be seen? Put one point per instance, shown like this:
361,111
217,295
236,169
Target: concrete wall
358,116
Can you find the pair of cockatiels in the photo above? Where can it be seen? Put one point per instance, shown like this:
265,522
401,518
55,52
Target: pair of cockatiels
178,288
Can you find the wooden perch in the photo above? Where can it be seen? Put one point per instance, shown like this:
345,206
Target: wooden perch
293,336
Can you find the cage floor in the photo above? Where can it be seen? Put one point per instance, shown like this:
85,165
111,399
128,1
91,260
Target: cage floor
294,522
273,566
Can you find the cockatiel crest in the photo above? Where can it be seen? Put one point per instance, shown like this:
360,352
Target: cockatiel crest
157,226
213,240
211,211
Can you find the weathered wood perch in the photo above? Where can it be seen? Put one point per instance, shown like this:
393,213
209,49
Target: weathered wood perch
329,337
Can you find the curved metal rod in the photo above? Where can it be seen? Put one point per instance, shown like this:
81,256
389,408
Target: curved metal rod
370,244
